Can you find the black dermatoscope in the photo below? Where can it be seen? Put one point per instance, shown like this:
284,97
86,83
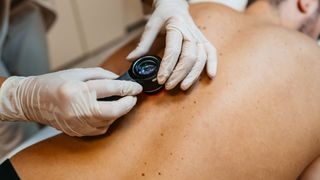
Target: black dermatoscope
143,71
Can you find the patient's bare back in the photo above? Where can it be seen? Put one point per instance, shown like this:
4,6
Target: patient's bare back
259,119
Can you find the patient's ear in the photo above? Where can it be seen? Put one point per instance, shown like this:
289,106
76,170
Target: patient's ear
308,7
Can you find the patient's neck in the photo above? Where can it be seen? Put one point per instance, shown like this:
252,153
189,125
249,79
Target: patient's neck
264,12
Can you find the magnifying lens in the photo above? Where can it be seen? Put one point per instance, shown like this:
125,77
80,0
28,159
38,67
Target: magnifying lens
143,71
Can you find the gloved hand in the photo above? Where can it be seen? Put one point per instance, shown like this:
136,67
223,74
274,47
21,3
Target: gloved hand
67,100
184,41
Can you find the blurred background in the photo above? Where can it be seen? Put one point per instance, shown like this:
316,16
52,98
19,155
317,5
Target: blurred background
86,32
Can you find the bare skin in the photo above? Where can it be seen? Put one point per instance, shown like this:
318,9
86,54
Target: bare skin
2,79
259,119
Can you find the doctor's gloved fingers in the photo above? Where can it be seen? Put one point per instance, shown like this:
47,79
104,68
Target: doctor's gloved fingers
171,54
101,130
112,110
98,131
91,131
106,88
150,33
186,62
212,60
197,69
85,74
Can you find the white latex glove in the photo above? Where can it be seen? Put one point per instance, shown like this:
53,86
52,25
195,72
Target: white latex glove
67,100
187,50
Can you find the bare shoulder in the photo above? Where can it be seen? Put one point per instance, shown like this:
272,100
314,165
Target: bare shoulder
211,10
288,41
204,6
288,49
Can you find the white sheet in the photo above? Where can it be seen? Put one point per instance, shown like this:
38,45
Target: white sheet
43,134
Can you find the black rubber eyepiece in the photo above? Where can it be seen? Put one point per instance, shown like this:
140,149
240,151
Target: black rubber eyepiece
143,71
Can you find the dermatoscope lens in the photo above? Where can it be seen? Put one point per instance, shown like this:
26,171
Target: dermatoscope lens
146,68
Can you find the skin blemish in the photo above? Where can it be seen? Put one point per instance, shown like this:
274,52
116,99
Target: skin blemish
145,163
159,173
161,134
142,174
171,154
220,54
194,102
182,158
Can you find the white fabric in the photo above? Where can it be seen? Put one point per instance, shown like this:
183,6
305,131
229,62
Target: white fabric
43,134
187,51
11,135
238,5
67,100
